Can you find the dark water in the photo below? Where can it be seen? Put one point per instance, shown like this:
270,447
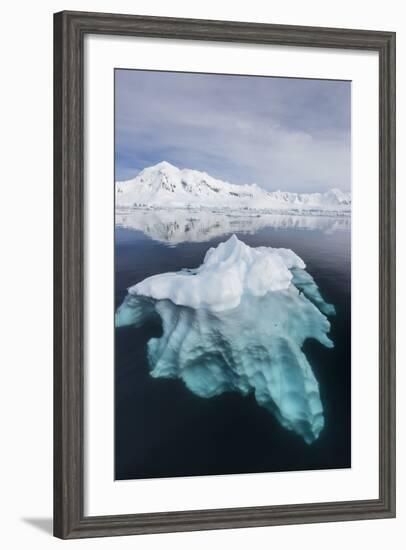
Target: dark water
162,429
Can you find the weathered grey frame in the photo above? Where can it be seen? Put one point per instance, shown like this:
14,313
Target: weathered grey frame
69,31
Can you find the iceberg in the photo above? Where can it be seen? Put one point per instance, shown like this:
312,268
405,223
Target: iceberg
227,272
238,323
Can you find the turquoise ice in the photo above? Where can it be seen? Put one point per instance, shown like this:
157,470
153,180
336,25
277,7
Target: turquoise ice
254,344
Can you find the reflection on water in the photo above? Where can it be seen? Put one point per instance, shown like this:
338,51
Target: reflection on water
173,226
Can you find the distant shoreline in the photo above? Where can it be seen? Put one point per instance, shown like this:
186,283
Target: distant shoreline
244,211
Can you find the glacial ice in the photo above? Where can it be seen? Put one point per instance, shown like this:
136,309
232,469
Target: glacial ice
238,323
227,272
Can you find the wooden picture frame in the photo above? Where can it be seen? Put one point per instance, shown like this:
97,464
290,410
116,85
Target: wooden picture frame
69,31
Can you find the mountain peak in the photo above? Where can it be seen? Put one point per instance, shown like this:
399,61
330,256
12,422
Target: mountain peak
164,164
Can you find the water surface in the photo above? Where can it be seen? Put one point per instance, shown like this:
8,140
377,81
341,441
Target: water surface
161,428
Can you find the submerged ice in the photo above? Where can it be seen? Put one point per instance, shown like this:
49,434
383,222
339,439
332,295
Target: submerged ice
238,323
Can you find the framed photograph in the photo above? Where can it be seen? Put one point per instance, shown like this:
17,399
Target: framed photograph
224,274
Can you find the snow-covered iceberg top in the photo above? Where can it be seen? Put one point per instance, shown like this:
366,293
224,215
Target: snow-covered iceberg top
227,272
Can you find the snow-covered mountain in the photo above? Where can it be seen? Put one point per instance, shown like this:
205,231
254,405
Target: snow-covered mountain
166,186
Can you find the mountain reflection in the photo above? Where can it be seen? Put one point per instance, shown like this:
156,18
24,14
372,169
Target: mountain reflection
175,226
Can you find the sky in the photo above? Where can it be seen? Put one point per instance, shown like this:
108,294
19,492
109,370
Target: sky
280,133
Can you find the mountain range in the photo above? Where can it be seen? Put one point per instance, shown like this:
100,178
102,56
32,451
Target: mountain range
166,186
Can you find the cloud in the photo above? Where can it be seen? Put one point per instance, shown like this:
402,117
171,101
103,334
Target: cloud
281,133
